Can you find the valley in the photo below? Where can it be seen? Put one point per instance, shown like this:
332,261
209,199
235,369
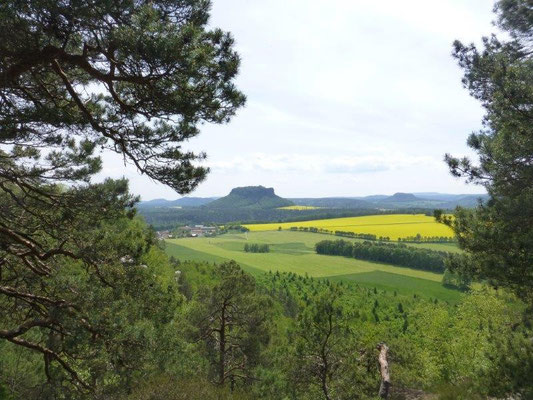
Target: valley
294,252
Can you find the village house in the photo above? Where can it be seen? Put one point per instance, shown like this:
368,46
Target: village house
201,230
161,235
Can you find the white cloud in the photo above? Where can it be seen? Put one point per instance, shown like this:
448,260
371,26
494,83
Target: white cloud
319,163
345,97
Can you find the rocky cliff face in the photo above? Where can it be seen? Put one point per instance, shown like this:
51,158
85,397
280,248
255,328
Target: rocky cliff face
251,197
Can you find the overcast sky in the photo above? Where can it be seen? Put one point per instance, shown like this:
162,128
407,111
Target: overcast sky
345,98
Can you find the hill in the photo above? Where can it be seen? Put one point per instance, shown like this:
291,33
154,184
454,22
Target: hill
257,197
468,201
194,201
183,202
333,202
373,198
401,198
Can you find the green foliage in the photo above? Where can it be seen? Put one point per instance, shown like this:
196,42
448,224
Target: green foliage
79,245
82,284
256,248
497,235
433,346
427,239
231,320
165,388
294,252
323,359
400,254
235,227
456,280
110,319
290,334
159,72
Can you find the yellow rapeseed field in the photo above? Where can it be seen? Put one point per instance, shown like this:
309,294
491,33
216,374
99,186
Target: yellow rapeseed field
394,226
298,208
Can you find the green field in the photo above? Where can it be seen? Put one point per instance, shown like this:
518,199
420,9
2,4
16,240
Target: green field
394,226
294,252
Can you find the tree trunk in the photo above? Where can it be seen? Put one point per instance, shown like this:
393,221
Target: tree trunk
222,349
325,389
384,371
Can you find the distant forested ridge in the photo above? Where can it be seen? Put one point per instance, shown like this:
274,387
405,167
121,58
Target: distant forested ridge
258,204
188,202
397,254
169,218
251,204
398,200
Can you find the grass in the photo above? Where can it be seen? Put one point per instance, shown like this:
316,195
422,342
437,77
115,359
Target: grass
394,226
401,284
189,254
294,252
449,247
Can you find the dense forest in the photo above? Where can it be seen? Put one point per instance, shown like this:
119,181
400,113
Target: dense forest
397,254
211,332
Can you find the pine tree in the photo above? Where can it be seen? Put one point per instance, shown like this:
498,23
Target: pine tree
498,235
76,77
232,321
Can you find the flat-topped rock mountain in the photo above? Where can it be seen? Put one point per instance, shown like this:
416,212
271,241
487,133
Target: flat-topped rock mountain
251,197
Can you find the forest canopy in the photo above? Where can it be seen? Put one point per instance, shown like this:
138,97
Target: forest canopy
78,78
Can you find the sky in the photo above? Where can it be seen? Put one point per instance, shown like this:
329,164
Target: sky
344,98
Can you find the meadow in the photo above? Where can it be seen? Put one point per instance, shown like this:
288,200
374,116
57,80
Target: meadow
294,252
394,226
